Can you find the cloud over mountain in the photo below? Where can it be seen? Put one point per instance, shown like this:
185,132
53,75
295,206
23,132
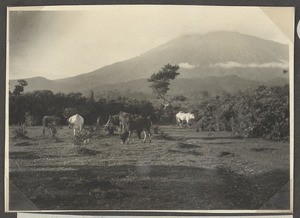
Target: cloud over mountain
187,66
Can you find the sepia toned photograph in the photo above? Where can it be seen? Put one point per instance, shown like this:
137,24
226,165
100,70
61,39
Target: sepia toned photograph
162,108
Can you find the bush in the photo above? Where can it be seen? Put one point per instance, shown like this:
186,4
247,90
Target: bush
262,113
42,103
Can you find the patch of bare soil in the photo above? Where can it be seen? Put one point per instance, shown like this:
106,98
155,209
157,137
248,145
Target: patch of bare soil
157,188
87,151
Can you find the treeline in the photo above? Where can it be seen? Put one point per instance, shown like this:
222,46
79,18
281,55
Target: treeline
260,113
41,103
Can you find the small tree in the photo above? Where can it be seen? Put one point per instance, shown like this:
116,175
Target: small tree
160,82
20,87
16,98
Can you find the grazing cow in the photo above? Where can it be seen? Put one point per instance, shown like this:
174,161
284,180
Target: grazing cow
124,118
50,122
181,117
139,125
76,122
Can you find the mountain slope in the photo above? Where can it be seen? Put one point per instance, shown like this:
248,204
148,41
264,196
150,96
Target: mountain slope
216,54
188,87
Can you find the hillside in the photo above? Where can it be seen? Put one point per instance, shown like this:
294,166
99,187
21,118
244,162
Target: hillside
186,86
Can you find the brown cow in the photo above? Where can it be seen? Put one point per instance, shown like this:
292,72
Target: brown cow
121,120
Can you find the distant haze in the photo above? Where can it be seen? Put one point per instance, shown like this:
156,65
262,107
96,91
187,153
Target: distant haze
63,42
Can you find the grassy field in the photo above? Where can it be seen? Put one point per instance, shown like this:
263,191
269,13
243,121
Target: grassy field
180,170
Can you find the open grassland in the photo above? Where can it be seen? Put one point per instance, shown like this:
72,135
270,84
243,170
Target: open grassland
180,170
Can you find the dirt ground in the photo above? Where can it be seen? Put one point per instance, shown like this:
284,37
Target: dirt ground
180,170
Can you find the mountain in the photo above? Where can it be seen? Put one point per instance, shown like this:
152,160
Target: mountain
213,55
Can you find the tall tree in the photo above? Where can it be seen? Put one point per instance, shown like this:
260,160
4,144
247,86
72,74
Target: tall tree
160,84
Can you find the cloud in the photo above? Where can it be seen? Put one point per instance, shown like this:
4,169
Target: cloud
187,66
231,64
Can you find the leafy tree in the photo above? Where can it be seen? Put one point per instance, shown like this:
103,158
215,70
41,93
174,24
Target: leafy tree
20,87
160,83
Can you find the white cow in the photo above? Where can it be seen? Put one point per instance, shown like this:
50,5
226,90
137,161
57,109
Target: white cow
76,122
181,116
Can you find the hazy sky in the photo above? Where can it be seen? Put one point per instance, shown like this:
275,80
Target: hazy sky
58,43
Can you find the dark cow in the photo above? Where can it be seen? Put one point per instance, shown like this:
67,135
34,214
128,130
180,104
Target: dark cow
139,125
50,122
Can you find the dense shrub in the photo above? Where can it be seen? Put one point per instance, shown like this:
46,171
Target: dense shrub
262,113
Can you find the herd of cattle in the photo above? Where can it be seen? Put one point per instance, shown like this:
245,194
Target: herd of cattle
126,122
